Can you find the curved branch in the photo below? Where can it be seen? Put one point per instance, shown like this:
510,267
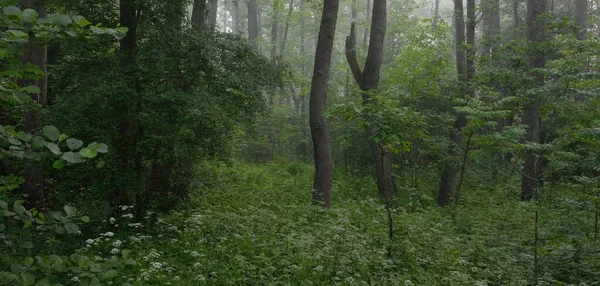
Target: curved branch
351,55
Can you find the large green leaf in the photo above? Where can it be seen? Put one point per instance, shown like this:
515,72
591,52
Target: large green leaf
12,11
53,148
110,274
74,144
71,228
73,158
51,132
88,153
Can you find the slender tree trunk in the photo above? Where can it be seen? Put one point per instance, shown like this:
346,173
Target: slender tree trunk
213,9
436,13
36,55
581,15
318,96
275,30
287,27
531,115
492,26
237,28
366,29
449,169
199,14
252,22
368,80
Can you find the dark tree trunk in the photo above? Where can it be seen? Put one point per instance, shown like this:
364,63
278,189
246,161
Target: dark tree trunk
287,27
581,15
532,168
36,55
213,8
125,150
318,96
199,14
449,169
492,26
275,30
252,21
174,11
368,81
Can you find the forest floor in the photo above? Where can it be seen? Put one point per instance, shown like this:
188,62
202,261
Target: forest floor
255,225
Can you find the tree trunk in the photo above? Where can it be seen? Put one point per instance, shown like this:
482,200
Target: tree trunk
449,169
287,27
199,14
366,29
368,81
581,15
237,28
252,21
532,167
436,13
492,26
318,99
275,29
212,13
174,11
36,55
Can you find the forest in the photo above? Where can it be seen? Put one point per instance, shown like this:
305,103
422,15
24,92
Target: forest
299,142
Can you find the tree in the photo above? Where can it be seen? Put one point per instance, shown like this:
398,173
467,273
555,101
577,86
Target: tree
581,15
199,13
449,169
368,81
318,99
37,55
212,13
253,28
532,167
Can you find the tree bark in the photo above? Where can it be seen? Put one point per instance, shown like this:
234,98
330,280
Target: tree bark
318,102
212,13
532,167
275,29
287,27
581,15
237,29
366,29
252,21
436,13
449,169
368,81
199,14
36,55
492,26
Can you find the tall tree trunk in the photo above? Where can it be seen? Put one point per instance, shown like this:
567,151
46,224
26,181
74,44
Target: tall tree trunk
368,81
449,169
581,15
213,9
36,55
366,29
532,167
318,100
275,29
252,21
237,28
287,27
436,13
492,26
199,14
174,11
